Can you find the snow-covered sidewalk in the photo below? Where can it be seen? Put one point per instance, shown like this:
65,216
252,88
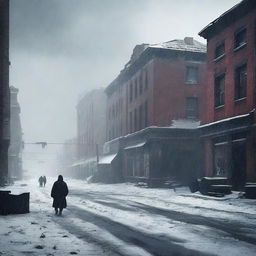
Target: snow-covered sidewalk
122,219
38,233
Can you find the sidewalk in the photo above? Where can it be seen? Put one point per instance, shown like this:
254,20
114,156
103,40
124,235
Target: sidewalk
38,233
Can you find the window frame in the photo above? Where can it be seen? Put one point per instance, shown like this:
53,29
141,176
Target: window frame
197,75
219,44
238,32
217,78
238,88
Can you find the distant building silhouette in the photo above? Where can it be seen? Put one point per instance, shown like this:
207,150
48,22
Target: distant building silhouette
15,149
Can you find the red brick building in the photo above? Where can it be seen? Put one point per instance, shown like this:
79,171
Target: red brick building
229,119
4,90
159,84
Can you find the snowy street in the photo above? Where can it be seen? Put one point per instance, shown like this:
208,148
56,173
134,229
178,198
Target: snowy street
122,219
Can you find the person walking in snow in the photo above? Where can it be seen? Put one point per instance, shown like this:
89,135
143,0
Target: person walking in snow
44,180
59,193
40,180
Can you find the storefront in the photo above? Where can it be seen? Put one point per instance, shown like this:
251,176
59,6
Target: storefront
230,149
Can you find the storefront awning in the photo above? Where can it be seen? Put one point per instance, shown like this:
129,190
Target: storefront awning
107,159
138,145
84,162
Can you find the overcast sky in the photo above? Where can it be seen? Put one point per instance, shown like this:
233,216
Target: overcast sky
60,49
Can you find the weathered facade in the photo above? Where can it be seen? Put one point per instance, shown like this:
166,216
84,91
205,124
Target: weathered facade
153,155
15,149
229,121
157,154
4,90
161,86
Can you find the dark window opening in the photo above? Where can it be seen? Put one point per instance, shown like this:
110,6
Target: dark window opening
221,159
146,114
192,107
136,89
192,75
219,90
140,117
146,79
131,91
131,122
141,84
219,50
240,82
240,38
135,120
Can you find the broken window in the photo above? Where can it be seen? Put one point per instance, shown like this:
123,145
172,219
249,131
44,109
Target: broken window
219,90
192,75
240,82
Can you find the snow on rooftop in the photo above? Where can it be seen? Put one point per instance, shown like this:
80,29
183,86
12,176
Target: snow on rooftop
186,44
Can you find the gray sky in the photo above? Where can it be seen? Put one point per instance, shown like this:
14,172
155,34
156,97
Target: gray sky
60,49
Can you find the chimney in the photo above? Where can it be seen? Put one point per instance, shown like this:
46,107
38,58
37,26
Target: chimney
189,40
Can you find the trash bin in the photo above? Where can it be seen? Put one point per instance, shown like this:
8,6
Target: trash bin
14,204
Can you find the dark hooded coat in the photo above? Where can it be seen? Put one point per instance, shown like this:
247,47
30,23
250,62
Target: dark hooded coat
59,193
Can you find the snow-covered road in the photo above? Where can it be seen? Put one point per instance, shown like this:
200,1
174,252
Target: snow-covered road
122,219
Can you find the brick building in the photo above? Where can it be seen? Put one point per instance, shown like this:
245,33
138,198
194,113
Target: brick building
160,83
4,90
229,130
91,129
161,86
15,149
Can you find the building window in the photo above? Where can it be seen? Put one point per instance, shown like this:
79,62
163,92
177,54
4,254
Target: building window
192,75
221,159
219,90
192,107
146,79
113,111
131,91
131,122
240,38
135,120
146,114
136,89
240,82
140,117
109,113
220,50
140,84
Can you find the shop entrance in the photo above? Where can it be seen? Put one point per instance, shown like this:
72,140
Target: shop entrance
238,163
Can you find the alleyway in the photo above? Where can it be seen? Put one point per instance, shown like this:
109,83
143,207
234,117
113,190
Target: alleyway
125,220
